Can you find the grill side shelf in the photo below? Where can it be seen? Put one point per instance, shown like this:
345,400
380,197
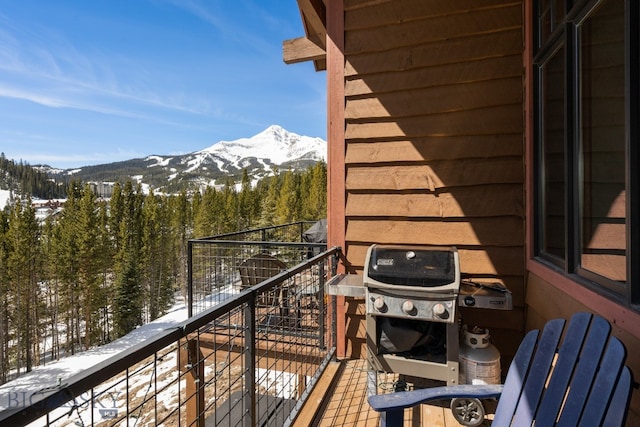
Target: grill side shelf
349,285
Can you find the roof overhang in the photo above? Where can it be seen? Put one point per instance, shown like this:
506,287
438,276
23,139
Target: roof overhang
313,46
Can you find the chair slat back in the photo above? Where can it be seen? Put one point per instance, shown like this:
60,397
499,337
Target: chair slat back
522,390
605,384
568,357
585,371
617,413
516,376
581,380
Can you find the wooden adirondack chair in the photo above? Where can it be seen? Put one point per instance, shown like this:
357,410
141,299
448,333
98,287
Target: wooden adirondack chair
259,267
583,381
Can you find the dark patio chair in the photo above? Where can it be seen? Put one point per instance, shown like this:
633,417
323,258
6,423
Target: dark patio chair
582,381
259,268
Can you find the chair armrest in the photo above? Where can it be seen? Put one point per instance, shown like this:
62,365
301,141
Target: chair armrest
408,399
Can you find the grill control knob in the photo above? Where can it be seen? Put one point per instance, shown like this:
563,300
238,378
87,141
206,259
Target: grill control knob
408,307
440,311
379,304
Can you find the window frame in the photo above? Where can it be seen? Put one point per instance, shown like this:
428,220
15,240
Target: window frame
567,35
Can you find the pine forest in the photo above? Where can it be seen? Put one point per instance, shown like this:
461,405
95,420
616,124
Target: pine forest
100,268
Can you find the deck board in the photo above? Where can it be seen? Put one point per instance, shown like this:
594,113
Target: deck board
347,404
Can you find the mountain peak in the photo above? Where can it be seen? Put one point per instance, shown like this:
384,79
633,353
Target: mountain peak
274,130
275,145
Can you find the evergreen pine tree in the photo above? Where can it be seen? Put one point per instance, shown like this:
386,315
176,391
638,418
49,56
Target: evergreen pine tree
89,268
116,215
269,201
104,261
127,314
206,222
248,204
315,199
24,272
128,303
51,288
156,254
182,227
229,217
65,249
288,201
4,297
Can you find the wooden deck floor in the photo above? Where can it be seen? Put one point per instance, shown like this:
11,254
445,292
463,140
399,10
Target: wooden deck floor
347,404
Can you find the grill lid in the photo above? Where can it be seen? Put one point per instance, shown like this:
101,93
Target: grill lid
411,266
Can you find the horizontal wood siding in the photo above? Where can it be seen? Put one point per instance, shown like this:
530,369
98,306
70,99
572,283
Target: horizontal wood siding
503,200
435,137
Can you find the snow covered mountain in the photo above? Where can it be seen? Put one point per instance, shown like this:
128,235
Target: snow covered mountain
272,148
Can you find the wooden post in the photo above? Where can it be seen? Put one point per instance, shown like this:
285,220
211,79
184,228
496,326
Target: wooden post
336,169
302,384
192,363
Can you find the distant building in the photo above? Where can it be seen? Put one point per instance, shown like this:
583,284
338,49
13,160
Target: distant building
102,189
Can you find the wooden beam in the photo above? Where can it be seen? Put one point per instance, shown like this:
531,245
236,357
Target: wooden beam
300,50
191,361
311,408
287,357
314,19
336,168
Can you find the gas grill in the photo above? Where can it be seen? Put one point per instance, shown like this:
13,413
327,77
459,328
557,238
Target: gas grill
411,296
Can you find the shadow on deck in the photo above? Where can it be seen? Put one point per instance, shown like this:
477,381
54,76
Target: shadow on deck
343,402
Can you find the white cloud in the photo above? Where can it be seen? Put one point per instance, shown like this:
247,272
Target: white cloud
38,98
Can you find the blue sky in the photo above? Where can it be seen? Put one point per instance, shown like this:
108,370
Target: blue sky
86,82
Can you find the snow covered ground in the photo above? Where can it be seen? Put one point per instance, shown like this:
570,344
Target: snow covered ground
4,198
19,391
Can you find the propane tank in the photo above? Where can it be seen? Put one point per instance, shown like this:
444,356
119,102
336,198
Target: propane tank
479,359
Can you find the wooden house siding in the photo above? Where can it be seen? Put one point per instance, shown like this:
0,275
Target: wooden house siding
434,141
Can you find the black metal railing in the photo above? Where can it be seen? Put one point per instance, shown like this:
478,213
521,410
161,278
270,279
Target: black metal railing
215,263
292,232
250,358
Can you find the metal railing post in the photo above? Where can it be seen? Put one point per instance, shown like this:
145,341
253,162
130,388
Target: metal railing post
335,260
321,306
249,401
189,279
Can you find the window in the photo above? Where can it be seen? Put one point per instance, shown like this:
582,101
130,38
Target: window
586,139
554,156
602,125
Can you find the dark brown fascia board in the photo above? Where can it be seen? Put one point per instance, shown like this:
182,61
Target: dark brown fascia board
312,47
314,19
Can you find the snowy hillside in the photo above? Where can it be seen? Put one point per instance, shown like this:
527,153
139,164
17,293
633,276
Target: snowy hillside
4,198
